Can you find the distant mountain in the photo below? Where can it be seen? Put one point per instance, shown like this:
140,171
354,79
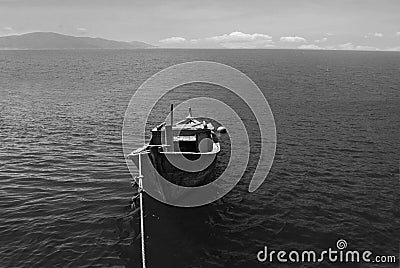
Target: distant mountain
49,40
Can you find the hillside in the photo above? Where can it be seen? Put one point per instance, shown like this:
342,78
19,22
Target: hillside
49,40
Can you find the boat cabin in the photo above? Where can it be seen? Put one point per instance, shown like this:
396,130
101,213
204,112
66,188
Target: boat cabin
189,135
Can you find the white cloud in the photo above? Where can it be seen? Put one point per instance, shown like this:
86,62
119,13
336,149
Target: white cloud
242,40
173,40
81,29
368,48
310,46
293,39
239,37
258,40
351,46
232,40
368,35
393,49
346,46
7,31
321,40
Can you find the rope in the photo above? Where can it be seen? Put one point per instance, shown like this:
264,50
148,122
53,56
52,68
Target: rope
141,210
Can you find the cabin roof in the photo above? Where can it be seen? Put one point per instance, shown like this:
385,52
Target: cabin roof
189,123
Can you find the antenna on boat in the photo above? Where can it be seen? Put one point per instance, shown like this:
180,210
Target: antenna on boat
169,136
190,113
172,114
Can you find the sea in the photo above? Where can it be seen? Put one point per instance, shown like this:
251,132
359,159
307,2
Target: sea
65,188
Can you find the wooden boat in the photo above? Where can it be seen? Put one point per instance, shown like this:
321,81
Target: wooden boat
184,154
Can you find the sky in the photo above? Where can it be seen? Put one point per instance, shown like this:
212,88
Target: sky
303,24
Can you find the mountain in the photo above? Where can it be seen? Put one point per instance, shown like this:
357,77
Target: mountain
49,40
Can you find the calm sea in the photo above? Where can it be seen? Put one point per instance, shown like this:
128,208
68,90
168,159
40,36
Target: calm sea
65,187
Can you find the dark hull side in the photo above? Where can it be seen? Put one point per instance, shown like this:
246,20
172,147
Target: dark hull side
175,185
181,177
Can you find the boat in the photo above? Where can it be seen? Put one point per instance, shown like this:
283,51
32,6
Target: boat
183,153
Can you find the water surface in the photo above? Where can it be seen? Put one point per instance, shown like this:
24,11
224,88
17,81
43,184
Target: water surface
65,190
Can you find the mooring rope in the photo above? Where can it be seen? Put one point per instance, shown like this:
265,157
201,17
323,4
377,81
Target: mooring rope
140,178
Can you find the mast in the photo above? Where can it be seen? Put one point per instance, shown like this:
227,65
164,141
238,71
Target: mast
169,136
190,113
172,114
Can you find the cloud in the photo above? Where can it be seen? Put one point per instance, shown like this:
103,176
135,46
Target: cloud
346,46
368,35
351,46
7,31
242,40
239,37
321,40
368,48
397,34
231,40
81,29
293,39
393,49
310,46
173,40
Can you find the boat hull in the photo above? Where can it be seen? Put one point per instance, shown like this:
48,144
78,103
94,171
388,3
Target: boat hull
162,164
168,182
